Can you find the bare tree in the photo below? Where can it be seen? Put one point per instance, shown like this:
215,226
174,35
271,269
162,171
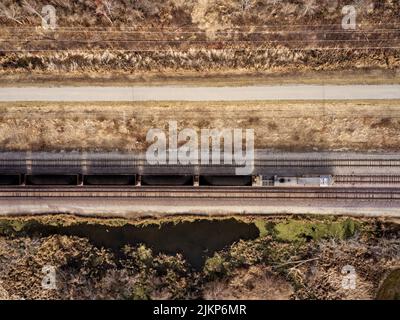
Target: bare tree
9,13
31,9
104,8
310,7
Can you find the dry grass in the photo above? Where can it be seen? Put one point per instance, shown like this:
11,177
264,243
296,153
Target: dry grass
206,14
255,283
369,259
303,126
200,78
273,60
220,20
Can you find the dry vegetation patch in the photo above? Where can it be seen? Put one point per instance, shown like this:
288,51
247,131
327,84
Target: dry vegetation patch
303,126
264,267
125,38
254,283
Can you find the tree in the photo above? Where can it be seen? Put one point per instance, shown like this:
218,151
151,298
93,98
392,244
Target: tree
31,9
9,13
104,8
310,7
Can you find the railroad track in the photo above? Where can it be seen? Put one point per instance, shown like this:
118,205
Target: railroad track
367,179
134,162
187,193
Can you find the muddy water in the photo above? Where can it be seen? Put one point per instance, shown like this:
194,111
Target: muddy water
194,240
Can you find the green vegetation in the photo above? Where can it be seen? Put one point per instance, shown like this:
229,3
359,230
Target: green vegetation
304,230
283,229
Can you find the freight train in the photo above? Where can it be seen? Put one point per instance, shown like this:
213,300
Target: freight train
163,180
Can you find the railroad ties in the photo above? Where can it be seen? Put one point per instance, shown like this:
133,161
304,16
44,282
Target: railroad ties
338,176
384,194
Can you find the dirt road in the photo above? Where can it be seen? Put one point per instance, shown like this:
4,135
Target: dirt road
181,93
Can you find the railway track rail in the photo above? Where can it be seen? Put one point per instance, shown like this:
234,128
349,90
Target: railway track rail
367,179
133,162
369,194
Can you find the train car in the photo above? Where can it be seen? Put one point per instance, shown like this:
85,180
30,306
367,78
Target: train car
306,181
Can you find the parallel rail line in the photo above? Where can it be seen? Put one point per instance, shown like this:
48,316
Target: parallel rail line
371,194
13,163
367,179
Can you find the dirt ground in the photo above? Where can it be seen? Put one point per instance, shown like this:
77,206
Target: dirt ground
296,126
200,78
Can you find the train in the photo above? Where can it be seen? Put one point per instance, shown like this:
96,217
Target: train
304,181
164,180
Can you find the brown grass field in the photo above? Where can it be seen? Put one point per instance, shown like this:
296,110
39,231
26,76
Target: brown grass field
108,39
104,126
